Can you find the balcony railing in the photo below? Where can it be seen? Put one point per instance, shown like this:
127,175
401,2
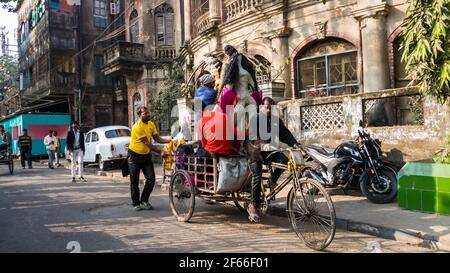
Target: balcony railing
62,20
63,80
124,58
200,18
236,8
124,50
167,52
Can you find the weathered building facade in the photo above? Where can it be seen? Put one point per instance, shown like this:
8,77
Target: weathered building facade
60,61
152,44
331,66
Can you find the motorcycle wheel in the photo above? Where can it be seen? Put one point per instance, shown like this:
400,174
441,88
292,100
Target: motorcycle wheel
379,194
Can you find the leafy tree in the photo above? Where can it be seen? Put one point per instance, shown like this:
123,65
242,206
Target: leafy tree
426,44
170,91
9,71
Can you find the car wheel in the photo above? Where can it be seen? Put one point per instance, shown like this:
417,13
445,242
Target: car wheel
103,165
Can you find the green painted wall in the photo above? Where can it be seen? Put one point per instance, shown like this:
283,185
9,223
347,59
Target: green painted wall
425,187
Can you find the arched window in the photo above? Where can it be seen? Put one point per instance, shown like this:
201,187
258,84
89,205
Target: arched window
136,104
327,68
134,27
400,76
164,22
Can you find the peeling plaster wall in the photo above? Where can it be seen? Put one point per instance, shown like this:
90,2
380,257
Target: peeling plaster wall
401,143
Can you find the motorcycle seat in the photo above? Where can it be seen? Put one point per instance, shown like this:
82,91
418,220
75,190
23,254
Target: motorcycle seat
322,150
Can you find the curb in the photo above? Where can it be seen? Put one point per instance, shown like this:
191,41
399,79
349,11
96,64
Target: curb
407,237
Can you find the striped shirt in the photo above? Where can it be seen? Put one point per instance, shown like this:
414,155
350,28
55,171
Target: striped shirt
24,142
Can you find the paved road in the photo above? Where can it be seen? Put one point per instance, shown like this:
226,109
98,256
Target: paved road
42,211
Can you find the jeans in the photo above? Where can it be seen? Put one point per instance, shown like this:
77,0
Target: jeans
25,155
57,157
136,163
256,169
51,158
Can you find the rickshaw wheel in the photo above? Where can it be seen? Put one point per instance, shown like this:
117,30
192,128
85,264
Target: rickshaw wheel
241,205
312,214
182,196
264,205
11,166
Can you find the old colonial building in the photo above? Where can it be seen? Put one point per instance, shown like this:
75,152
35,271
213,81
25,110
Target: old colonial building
329,65
152,44
332,65
61,56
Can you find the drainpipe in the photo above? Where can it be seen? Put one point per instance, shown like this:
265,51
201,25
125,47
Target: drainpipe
79,58
360,57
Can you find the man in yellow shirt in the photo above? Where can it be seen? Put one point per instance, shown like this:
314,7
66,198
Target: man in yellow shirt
140,158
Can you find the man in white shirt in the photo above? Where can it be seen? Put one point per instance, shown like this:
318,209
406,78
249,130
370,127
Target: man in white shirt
75,146
49,142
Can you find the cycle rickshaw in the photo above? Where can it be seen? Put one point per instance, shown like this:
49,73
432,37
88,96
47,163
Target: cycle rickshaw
6,157
309,207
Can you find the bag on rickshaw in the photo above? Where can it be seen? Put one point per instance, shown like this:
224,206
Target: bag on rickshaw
233,172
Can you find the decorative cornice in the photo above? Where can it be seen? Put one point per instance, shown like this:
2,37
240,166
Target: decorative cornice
371,11
282,32
321,29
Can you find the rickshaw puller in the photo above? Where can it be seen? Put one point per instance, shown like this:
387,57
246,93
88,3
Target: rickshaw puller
258,157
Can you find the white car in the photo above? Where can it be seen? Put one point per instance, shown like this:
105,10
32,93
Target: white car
105,145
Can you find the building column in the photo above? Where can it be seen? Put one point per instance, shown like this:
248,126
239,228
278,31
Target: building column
374,47
187,20
281,73
214,11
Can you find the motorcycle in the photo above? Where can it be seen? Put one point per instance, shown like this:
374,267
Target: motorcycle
353,164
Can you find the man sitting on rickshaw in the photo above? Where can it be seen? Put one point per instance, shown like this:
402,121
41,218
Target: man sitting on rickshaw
275,128
5,137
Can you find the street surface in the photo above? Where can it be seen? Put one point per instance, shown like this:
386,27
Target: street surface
42,211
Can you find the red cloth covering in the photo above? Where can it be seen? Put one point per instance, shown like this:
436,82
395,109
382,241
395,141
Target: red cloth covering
229,97
212,130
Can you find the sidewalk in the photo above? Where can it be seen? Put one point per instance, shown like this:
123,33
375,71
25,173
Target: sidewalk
355,213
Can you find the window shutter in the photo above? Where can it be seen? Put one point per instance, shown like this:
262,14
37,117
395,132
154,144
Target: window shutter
160,30
112,8
169,28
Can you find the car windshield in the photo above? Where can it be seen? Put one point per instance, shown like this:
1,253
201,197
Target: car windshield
117,133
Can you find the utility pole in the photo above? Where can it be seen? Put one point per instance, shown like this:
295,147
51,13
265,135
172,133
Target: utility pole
77,92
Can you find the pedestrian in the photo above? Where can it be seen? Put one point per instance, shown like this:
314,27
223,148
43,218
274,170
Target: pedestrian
140,158
75,146
6,138
57,148
49,142
25,144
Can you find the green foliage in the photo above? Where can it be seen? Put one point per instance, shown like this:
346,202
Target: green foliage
443,155
9,71
170,91
426,44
